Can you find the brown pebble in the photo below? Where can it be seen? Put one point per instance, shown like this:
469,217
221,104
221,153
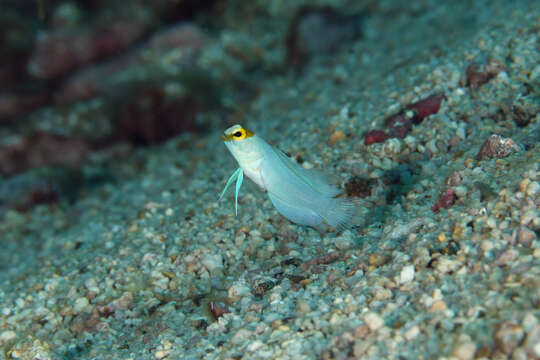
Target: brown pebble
336,137
494,67
325,259
476,76
359,187
464,351
454,179
525,236
361,331
532,340
124,302
377,260
217,310
508,336
105,311
506,257
496,146
168,274
521,116
438,305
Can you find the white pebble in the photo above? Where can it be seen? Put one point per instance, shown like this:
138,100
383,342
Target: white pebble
461,133
344,241
533,188
92,285
238,290
465,351
407,274
373,321
212,262
241,336
412,333
461,191
7,336
80,305
432,146
161,354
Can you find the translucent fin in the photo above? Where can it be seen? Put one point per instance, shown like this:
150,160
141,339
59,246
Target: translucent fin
315,178
229,182
239,181
339,213
295,213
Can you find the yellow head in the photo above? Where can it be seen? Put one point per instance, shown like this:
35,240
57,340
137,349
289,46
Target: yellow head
236,133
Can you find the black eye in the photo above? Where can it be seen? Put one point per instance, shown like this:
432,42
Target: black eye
237,134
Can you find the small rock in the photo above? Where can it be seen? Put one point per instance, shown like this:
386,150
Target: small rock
533,188
92,285
336,137
438,305
508,336
7,336
498,147
374,321
447,199
241,336
359,187
532,342
377,260
212,262
344,241
217,310
162,354
124,302
506,257
407,274
476,76
425,107
493,67
375,136
445,264
412,333
260,287
525,236
454,179
80,305
465,351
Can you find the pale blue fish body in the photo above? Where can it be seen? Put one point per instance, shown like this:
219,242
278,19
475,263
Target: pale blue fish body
302,196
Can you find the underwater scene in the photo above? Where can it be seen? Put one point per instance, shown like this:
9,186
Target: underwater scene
269,179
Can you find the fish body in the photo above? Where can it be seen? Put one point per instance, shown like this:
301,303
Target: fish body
303,196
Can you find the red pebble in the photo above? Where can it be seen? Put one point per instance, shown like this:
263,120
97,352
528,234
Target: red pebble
448,199
425,107
375,136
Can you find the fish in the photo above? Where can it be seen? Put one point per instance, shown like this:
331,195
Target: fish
303,196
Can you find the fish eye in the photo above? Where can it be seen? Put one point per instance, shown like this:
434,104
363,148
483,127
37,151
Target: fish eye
237,134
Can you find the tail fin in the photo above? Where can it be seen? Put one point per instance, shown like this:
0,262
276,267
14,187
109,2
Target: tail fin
339,213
